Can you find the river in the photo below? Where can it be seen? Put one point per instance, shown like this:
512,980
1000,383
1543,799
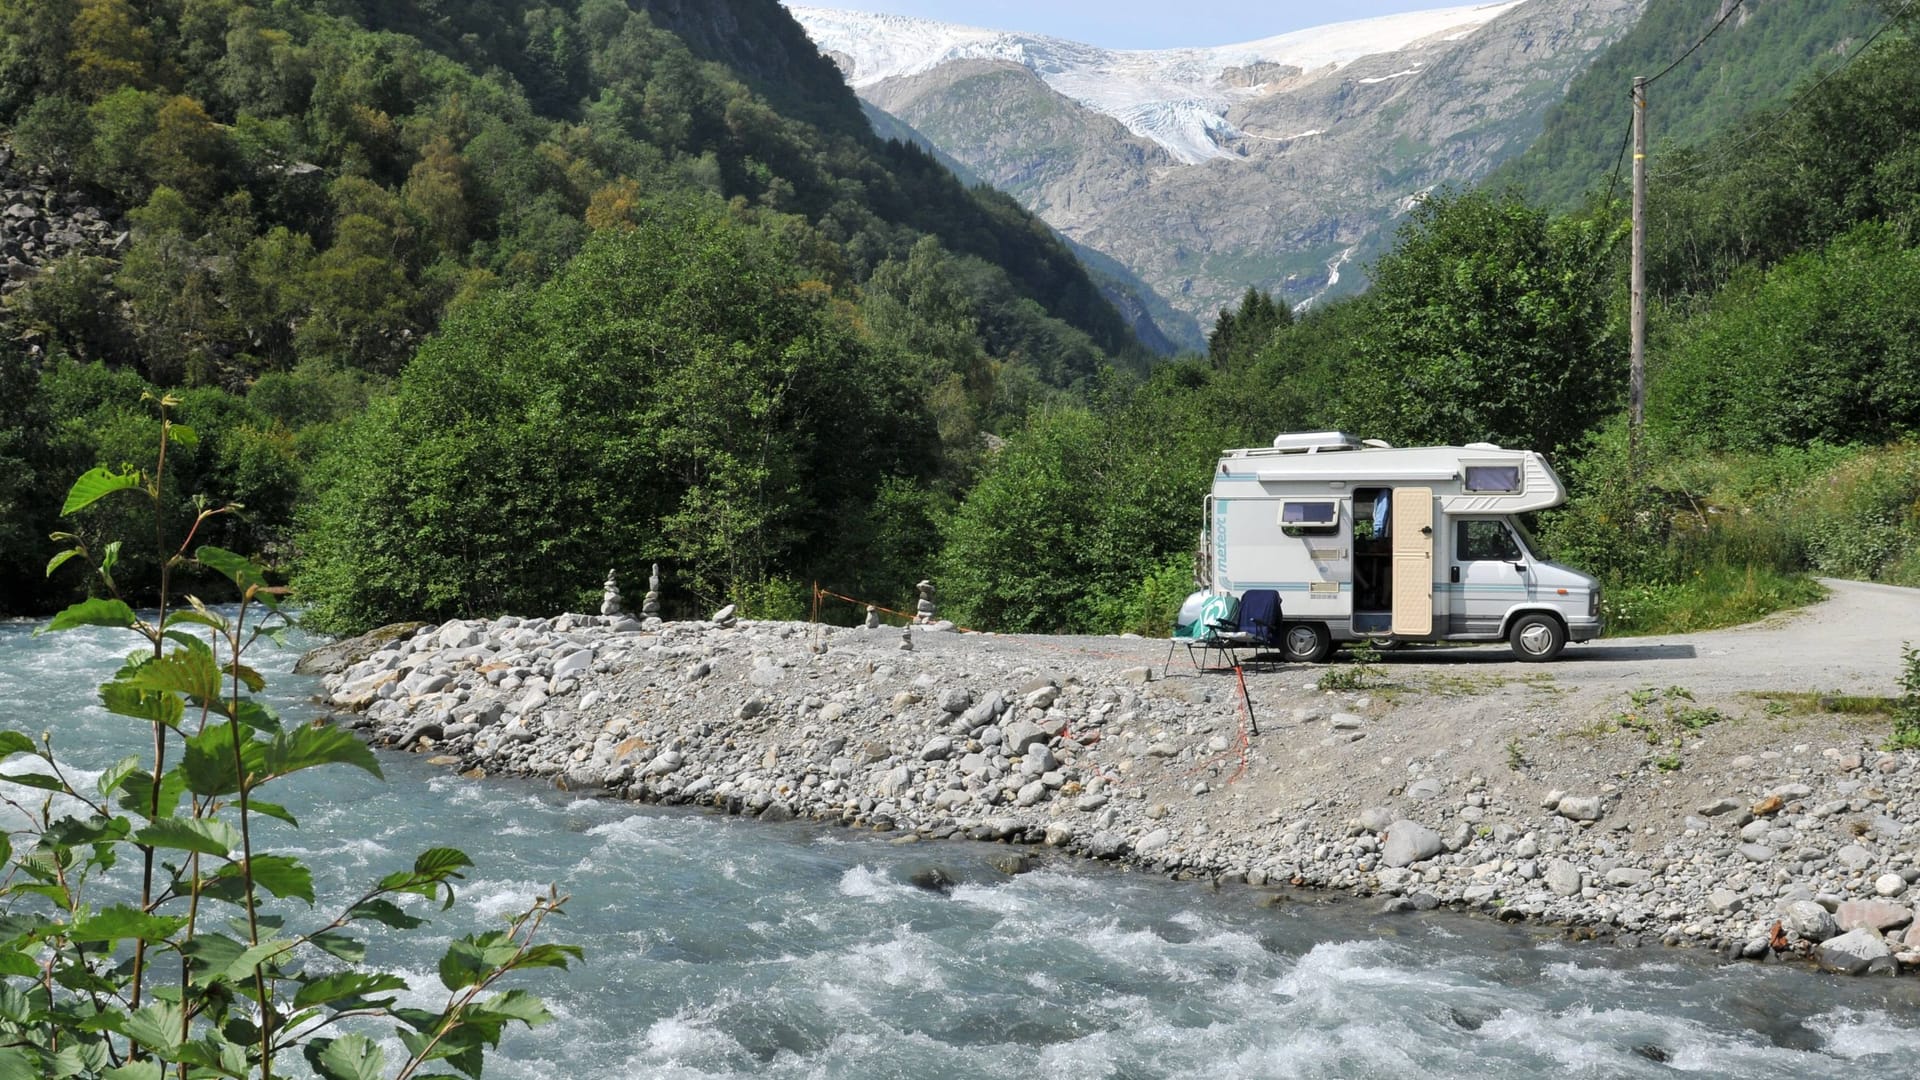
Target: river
718,947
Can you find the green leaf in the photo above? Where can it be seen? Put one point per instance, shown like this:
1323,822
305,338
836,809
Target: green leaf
273,810
441,861
352,987
208,836
136,794
282,876
14,742
92,829
306,746
349,1057
112,778
182,434
257,715
211,956
338,944
19,1063
120,923
208,761
94,485
35,780
56,562
109,558
198,618
144,1069
187,671
385,912
462,965
94,612
242,571
154,706
156,1027
18,964
242,966
517,1005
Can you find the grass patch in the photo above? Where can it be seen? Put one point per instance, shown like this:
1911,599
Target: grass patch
1712,597
1810,703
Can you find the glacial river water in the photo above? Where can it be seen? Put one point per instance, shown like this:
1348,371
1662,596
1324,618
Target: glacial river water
724,948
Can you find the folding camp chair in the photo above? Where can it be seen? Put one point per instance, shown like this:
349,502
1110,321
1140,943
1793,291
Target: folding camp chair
1202,619
1258,626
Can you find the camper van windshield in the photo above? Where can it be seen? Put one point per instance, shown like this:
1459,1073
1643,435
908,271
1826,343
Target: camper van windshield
1527,540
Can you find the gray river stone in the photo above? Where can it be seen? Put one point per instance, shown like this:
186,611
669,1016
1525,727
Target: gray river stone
1810,920
1409,842
1856,952
1564,878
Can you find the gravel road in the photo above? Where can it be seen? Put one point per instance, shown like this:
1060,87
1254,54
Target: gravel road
1849,642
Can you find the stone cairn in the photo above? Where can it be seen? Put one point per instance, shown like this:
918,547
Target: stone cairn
906,638
873,617
925,613
650,607
610,594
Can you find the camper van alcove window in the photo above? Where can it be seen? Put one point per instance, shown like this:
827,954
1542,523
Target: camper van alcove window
1299,517
1493,478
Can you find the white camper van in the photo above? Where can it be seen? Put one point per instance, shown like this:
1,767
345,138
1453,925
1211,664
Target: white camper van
1368,541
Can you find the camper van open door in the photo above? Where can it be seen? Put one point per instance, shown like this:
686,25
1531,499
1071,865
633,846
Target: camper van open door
1413,561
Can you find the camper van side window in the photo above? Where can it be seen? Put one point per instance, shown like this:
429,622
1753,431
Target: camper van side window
1308,516
1493,478
1484,540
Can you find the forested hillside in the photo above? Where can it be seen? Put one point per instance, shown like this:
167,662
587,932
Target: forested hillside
310,188
1754,60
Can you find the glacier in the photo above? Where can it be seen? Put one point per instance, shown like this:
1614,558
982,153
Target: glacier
1176,98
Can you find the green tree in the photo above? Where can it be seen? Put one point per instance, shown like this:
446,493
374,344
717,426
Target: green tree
1242,333
1490,323
675,394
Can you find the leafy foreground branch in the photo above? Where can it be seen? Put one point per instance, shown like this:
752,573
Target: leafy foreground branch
145,934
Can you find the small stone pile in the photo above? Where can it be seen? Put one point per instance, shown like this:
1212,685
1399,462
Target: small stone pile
1077,744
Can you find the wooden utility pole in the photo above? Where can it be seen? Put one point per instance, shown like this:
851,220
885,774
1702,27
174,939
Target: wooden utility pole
1637,379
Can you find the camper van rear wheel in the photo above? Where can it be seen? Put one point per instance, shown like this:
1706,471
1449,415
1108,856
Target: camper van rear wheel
1537,637
1307,643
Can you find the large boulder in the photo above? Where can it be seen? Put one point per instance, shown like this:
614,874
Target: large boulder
1409,842
1810,920
1856,952
338,656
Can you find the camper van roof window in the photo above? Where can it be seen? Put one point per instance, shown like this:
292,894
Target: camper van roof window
1501,478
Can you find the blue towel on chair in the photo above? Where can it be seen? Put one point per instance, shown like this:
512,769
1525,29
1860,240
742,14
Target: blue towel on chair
1260,615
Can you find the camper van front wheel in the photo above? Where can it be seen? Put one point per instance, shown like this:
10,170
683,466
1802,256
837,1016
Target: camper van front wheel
1537,637
1307,643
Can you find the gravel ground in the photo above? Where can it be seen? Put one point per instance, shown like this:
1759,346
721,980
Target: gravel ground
1638,789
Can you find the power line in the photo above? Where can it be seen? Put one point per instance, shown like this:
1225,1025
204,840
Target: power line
1799,99
1619,159
1715,28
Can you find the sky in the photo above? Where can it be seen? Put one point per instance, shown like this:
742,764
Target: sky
1133,24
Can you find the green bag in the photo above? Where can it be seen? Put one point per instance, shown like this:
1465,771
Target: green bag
1220,609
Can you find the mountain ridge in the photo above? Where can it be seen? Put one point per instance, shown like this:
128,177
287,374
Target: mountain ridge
1297,173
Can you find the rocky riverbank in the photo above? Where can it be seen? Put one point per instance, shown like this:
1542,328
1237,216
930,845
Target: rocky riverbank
1678,822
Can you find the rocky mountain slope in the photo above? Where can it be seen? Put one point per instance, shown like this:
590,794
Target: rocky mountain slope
1281,163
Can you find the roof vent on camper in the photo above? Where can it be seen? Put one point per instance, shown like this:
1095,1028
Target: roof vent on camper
1314,442
1376,444
1480,446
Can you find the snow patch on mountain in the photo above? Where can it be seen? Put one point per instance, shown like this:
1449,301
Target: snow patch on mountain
1175,97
